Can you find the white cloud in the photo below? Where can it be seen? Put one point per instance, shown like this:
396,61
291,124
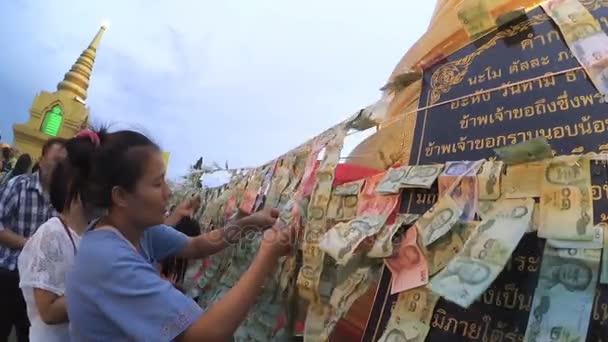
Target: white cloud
237,79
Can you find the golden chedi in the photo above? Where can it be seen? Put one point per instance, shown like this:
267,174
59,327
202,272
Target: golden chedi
62,113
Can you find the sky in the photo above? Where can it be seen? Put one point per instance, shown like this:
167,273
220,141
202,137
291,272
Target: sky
237,81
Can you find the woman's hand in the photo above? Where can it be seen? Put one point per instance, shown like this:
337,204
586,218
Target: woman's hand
261,220
189,206
278,242
185,209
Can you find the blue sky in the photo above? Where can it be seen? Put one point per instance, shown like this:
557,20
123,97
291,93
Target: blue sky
242,81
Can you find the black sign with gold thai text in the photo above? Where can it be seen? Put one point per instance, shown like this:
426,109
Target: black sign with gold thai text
564,107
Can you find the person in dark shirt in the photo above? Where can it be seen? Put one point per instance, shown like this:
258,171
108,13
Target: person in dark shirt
22,166
5,165
174,269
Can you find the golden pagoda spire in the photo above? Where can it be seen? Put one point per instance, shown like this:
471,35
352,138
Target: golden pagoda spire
76,81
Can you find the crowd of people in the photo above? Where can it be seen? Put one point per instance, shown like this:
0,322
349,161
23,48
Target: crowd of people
88,251
10,166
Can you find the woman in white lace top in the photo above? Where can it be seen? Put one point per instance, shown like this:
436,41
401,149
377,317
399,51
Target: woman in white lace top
49,254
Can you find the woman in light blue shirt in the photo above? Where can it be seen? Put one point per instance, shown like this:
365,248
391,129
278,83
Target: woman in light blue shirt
114,293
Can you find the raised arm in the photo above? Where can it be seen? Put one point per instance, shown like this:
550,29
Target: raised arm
223,318
215,241
187,208
143,305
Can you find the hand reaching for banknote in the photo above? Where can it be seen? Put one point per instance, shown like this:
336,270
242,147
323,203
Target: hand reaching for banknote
186,208
278,242
261,220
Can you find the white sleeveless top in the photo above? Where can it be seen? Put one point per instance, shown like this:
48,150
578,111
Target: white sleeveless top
43,264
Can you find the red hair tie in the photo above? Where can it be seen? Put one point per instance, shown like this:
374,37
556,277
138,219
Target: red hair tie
91,135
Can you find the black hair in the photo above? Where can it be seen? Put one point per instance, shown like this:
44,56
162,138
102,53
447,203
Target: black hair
189,226
176,267
35,167
118,161
53,141
6,153
22,165
69,178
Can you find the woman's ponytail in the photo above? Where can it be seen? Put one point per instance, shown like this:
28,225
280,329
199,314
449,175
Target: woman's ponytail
70,178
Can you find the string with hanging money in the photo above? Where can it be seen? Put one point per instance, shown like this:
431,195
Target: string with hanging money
292,292
477,93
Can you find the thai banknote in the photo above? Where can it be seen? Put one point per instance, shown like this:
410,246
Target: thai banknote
296,173
345,295
289,214
523,180
230,208
592,54
422,176
316,218
596,243
525,152
285,274
535,219
342,208
383,245
344,200
488,180
372,203
419,176
350,188
309,171
348,291
241,186
279,183
484,208
485,254
411,316
563,299
510,16
568,12
440,253
392,180
573,19
459,180
342,239
604,272
566,204
321,319
585,38
267,179
251,191
475,17
438,220
408,264
592,50
488,208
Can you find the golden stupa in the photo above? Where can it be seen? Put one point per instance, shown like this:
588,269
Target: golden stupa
392,143
62,113
445,35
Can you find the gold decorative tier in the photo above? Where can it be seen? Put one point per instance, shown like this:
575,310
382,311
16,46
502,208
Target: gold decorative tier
76,81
